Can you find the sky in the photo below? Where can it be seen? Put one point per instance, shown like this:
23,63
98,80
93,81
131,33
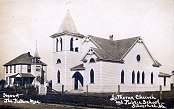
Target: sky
22,22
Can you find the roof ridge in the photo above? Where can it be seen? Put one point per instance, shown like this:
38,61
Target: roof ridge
128,38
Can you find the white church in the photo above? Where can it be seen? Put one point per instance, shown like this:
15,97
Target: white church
94,64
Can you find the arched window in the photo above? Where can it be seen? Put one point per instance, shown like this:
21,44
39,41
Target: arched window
152,78
61,44
143,77
133,77
71,44
92,60
58,61
57,41
164,81
138,57
138,77
122,76
92,76
58,76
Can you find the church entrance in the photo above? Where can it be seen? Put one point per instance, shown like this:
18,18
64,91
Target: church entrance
78,80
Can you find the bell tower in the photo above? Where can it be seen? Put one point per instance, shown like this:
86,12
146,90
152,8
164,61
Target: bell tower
67,52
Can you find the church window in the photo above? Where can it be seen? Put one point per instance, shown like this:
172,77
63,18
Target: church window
92,76
61,44
71,44
14,68
6,69
92,60
28,68
76,49
58,61
122,76
57,41
152,78
143,77
138,58
58,76
133,77
138,77
164,81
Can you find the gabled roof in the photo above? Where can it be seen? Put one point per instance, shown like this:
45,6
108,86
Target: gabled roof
78,67
112,50
68,24
163,75
25,59
116,50
24,75
67,27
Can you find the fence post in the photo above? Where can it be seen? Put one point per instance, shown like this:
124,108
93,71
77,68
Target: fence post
161,92
86,90
62,89
118,89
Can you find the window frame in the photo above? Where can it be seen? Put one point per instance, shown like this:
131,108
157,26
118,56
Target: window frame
92,60
143,78
133,77
29,68
138,77
58,77
14,68
151,78
138,58
122,77
92,81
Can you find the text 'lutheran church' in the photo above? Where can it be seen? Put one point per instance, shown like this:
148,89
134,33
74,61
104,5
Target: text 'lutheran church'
94,64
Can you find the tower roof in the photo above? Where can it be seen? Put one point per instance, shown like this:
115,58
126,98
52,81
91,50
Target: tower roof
36,54
67,24
67,27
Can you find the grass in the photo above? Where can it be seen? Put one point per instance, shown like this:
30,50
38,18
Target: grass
36,106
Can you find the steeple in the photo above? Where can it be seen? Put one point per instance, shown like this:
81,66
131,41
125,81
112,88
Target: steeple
36,54
67,24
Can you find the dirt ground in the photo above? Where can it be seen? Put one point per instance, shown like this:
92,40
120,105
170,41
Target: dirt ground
37,106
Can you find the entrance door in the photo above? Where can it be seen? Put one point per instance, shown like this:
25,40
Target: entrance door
78,80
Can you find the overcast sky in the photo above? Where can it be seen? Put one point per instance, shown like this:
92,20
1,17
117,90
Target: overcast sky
22,22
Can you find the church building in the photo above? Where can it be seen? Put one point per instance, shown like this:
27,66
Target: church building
95,64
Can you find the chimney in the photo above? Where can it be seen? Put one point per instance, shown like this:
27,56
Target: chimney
28,54
111,37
